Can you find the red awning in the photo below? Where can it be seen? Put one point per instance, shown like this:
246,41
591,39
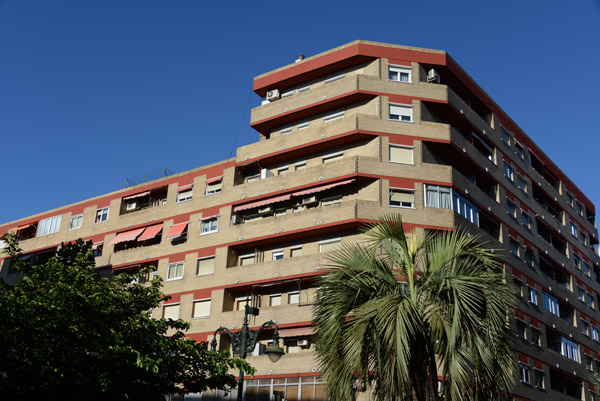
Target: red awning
302,331
126,236
262,203
95,245
176,230
150,232
136,195
321,188
214,179
185,187
20,228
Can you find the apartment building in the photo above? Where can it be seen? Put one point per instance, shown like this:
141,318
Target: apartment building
345,136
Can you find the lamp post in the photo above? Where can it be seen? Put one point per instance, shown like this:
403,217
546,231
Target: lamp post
244,341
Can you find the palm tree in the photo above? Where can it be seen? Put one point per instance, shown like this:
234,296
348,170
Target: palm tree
398,310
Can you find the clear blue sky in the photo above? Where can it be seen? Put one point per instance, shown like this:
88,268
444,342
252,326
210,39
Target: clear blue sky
92,92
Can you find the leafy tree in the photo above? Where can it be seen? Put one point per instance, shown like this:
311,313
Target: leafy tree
397,311
67,333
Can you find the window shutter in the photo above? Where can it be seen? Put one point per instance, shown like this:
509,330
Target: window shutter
401,155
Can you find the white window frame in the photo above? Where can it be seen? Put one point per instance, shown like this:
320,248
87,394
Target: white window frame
290,295
214,191
211,230
300,165
332,200
288,93
102,210
532,295
508,168
335,155
304,88
197,301
327,241
49,225
408,107
303,125
334,116
400,69
286,130
185,195
412,153
335,78
175,264
172,305
273,296
524,375
80,218
295,248
283,169
277,252
247,256
412,191
205,258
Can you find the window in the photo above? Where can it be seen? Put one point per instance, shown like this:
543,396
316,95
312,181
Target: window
253,178
334,116
535,337
579,208
331,157
175,271
593,396
529,257
97,248
209,225
402,198
399,154
438,197
214,185
551,303
76,222
522,184
570,199
294,297
525,220
505,136
539,379
205,266
519,150
279,211
277,254
588,363
533,297
511,209
595,336
585,328
303,125
282,170
509,172
246,260
582,237
580,294
335,78
201,308
286,130
514,246
576,261
329,245
587,270
184,195
49,225
296,251
401,113
590,301
287,94
275,300
569,349
524,373
573,230
521,330
101,215
332,200
399,73
300,165
171,312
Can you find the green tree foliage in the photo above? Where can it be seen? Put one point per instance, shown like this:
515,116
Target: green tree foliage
397,311
67,333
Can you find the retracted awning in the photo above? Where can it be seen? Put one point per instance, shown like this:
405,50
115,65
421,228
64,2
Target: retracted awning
262,203
301,331
126,236
184,187
21,228
321,188
214,179
150,232
95,245
136,195
176,230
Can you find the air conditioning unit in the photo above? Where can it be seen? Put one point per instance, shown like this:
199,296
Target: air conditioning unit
265,210
433,76
273,95
235,220
311,200
302,343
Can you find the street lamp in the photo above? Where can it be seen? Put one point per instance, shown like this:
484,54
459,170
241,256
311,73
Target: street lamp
244,341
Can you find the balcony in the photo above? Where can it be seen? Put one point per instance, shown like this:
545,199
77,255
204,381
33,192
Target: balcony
144,200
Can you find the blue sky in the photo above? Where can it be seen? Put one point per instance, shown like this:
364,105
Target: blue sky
93,92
